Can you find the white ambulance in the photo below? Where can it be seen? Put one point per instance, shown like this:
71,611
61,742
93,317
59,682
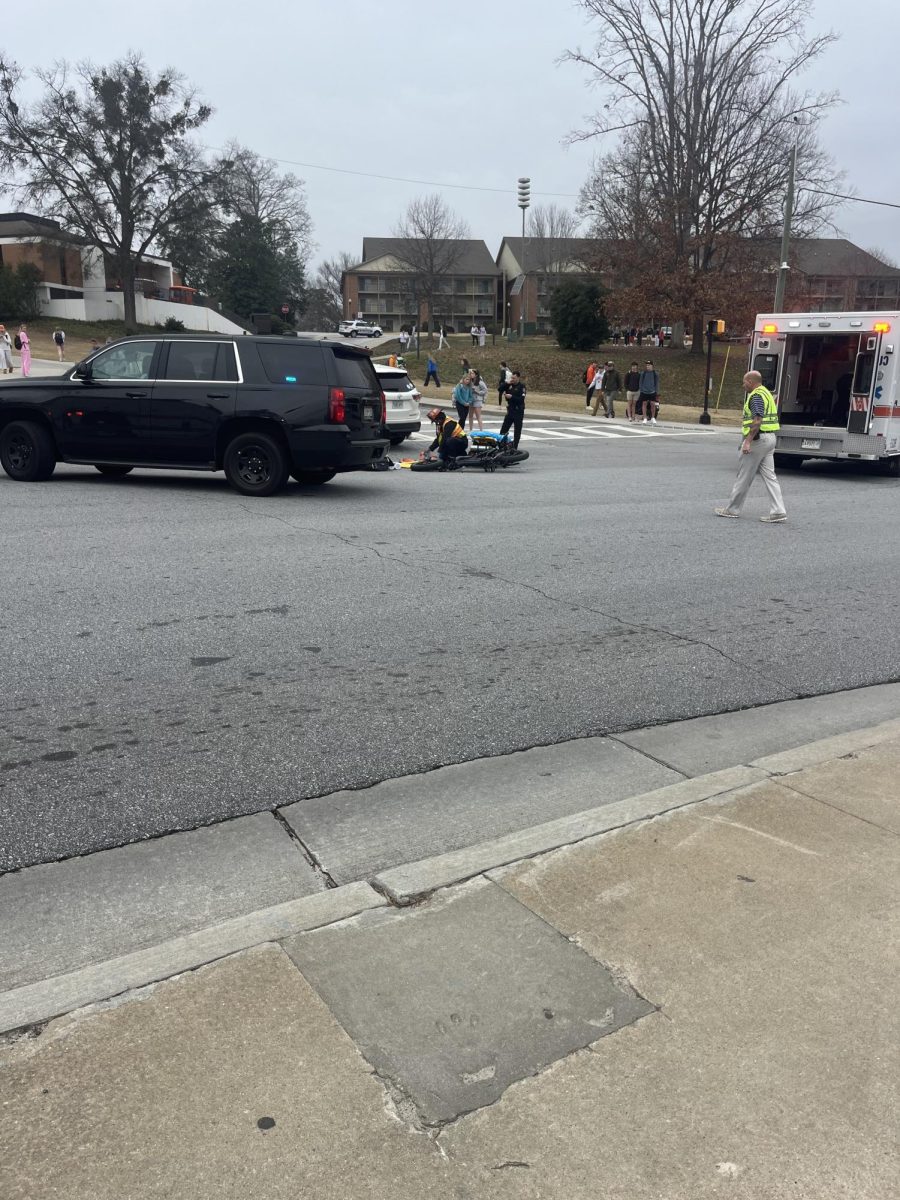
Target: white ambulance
834,376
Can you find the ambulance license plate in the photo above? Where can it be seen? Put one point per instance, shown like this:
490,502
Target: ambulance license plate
811,444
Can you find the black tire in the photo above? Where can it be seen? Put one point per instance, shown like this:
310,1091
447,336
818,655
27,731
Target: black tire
787,462
111,471
256,464
397,438
27,453
891,466
313,478
510,457
427,464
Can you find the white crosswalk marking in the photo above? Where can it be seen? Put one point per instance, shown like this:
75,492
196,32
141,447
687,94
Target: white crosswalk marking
543,430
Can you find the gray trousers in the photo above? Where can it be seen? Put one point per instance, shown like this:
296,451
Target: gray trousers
760,460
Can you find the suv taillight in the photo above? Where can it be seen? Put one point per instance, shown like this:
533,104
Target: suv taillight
337,408
383,408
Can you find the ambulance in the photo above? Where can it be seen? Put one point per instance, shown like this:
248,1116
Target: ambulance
834,376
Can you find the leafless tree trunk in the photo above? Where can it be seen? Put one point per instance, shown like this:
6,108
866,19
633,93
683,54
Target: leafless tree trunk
550,230
701,93
431,236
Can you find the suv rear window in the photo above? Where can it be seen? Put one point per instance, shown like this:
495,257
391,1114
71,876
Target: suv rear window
395,381
292,364
354,371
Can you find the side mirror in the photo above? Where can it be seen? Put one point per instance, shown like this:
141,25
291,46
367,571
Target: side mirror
83,370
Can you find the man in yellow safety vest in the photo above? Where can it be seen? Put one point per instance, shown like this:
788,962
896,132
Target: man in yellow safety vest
759,427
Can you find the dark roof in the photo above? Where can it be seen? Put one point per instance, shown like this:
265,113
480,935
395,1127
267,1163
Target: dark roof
572,248
474,258
19,224
829,256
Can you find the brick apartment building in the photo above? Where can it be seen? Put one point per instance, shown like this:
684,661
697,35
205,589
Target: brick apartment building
380,288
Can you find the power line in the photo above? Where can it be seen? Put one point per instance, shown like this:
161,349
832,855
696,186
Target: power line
471,187
858,199
465,187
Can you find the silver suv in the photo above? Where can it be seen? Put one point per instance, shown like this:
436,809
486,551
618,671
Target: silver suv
359,329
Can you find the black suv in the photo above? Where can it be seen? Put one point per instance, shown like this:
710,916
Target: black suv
259,408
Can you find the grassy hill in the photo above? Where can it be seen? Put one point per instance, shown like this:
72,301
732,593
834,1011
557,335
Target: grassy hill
550,371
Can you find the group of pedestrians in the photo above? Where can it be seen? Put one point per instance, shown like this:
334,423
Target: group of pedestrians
468,396
604,384
22,344
478,334
635,337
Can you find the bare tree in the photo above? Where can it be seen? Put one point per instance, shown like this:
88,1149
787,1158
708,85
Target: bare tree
106,151
550,230
325,303
255,189
883,256
701,94
430,245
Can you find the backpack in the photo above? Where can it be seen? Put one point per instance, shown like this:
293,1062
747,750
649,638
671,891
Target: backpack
59,338
17,342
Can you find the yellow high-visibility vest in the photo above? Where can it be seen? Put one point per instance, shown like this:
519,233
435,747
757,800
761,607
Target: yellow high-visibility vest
770,423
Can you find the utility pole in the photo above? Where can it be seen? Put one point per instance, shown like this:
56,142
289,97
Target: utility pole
524,202
786,234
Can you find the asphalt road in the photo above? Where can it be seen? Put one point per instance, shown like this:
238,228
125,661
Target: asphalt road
174,654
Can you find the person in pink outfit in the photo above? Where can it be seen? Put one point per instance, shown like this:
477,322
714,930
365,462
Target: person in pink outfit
26,351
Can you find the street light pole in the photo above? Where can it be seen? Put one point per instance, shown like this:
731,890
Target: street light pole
524,202
704,416
786,234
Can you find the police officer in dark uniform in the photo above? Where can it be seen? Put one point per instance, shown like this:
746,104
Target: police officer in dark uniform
514,394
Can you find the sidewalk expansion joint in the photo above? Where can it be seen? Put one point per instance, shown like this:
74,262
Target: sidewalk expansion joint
785,781
304,849
660,762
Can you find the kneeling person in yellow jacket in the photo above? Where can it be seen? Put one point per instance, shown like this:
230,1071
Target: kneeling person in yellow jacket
450,439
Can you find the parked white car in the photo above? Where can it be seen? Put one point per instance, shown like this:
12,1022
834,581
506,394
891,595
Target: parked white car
358,328
401,396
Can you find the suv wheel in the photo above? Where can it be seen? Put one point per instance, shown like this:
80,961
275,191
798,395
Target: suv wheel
111,470
256,465
26,452
313,477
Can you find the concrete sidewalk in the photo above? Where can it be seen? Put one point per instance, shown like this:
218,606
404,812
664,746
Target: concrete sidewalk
697,1003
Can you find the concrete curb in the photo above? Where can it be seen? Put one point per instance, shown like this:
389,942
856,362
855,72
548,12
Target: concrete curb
49,998
814,753
408,883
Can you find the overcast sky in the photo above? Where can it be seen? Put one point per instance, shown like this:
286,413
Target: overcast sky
442,93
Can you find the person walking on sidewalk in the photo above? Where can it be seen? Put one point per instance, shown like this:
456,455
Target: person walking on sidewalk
588,379
648,391
23,344
431,372
6,363
59,340
759,427
608,392
514,394
632,389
